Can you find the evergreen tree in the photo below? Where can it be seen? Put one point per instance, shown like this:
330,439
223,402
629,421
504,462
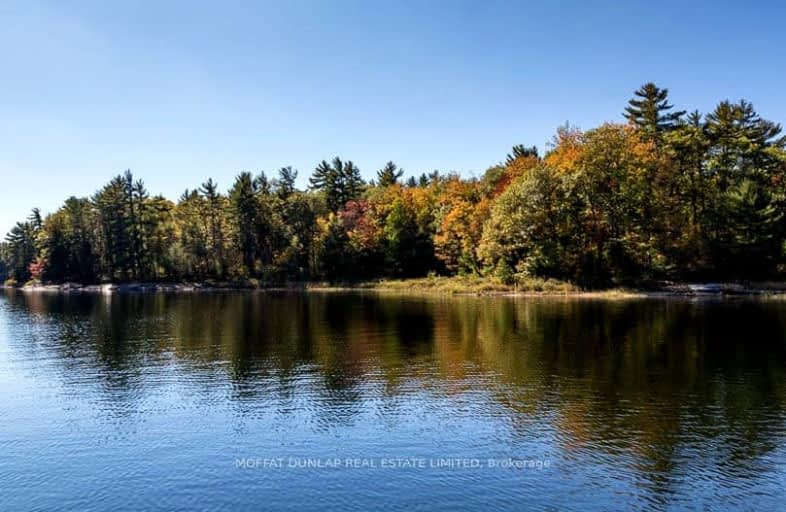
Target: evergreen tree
21,247
351,181
214,223
649,111
389,175
138,226
191,250
689,146
339,181
112,240
3,264
326,180
520,151
67,243
244,210
285,186
756,218
743,145
251,221
160,234
665,197
261,183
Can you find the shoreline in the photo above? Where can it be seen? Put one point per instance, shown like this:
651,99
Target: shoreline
434,286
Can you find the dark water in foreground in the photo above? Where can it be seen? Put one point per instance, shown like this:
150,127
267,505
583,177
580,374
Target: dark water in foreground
155,402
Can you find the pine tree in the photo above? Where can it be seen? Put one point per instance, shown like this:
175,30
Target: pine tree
261,183
389,175
650,113
519,151
285,186
139,227
351,181
339,181
690,146
245,214
326,179
214,224
3,260
21,247
112,231
743,145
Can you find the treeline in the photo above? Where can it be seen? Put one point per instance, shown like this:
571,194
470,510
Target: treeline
666,195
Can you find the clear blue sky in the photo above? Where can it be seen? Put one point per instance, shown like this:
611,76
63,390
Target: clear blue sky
182,91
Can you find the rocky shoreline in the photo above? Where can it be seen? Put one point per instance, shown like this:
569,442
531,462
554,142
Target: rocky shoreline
109,288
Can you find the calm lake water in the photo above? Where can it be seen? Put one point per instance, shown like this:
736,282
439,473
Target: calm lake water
246,401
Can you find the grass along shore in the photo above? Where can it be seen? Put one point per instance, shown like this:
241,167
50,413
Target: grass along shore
466,285
431,285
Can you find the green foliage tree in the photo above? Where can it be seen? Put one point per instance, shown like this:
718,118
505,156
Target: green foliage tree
297,231
401,240
242,197
190,252
389,175
20,249
745,164
650,109
521,151
4,276
67,243
533,228
339,181
285,185
333,258
664,196
214,215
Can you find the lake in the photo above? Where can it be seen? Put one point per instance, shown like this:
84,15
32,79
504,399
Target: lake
360,401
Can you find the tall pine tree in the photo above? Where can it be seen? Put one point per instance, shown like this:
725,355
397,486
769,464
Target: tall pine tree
650,111
389,175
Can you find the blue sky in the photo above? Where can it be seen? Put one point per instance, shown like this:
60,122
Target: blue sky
182,91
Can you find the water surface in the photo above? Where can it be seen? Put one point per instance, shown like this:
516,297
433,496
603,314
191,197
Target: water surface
253,401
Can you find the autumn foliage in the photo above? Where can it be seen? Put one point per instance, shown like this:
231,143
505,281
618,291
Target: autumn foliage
663,195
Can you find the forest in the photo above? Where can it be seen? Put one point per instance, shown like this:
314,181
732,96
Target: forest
663,194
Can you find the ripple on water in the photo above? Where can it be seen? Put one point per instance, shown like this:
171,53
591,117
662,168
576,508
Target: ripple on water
147,402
